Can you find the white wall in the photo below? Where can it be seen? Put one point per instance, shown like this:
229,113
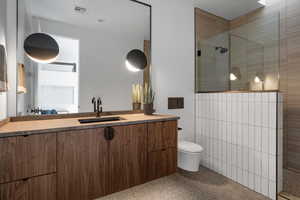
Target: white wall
3,95
8,38
239,134
11,41
3,105
173,61
173,58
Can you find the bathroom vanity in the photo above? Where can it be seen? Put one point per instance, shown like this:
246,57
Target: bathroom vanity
63,159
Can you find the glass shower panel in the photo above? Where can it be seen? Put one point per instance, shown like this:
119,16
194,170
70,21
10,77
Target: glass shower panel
244,57
238,64
254,52
247,59
212,64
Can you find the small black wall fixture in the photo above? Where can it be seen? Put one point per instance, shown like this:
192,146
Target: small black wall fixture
136,60
41,47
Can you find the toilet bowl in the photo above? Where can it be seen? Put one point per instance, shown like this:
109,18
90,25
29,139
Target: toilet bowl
189,156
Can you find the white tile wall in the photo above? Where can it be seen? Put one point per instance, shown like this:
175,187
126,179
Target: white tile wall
238,133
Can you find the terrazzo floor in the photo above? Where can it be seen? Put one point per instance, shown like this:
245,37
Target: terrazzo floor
291,183
203,185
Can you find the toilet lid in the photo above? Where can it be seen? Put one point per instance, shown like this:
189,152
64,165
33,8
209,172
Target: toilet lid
189,147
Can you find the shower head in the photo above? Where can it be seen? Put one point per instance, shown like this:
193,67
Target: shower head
222,49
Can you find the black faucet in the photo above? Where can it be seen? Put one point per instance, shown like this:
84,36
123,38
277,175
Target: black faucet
97,106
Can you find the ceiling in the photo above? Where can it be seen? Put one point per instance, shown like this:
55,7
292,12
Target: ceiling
126,16
116,16
228,9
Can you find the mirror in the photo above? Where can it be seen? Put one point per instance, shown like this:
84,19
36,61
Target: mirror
94,38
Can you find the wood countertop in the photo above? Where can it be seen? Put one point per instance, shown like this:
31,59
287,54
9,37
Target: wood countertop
24,128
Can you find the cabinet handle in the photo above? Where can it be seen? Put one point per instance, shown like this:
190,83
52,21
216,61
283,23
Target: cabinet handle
109,133
25,179
25,135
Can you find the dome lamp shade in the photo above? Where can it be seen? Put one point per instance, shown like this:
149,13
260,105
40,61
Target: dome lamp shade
136,60
41,48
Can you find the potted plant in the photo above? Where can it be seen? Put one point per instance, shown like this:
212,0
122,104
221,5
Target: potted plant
148,99
137,91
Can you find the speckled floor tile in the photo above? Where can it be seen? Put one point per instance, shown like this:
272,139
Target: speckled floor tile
203,185
291,183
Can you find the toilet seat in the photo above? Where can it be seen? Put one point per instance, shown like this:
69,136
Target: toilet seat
189,147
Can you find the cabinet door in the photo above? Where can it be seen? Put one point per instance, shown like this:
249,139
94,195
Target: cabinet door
24,157
14,191
82,164
42,187
162,163
37,188
162,135
128,157
40,154
169,134
13,159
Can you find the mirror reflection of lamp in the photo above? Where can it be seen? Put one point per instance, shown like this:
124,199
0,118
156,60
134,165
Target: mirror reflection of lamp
260,78
235,74
136,60
262,2
41,48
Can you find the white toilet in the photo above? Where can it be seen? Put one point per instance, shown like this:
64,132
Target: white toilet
189,156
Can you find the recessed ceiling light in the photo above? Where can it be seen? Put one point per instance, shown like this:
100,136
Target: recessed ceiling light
80,9
262,2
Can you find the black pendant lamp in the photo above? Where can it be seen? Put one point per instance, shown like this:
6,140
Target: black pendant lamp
41,48
136,60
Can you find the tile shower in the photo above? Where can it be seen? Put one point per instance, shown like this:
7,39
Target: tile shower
242,137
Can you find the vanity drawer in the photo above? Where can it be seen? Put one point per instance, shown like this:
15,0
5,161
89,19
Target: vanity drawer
27,156
162,135
37,188
162,163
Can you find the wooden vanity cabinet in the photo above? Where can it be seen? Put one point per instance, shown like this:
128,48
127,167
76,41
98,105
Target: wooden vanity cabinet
162,163
42,187
92,166
86,164
162,135
24,157
162,149
14,191
82,169
128,157
26,165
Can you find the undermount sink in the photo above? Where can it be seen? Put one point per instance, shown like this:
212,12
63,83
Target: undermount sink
99,119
